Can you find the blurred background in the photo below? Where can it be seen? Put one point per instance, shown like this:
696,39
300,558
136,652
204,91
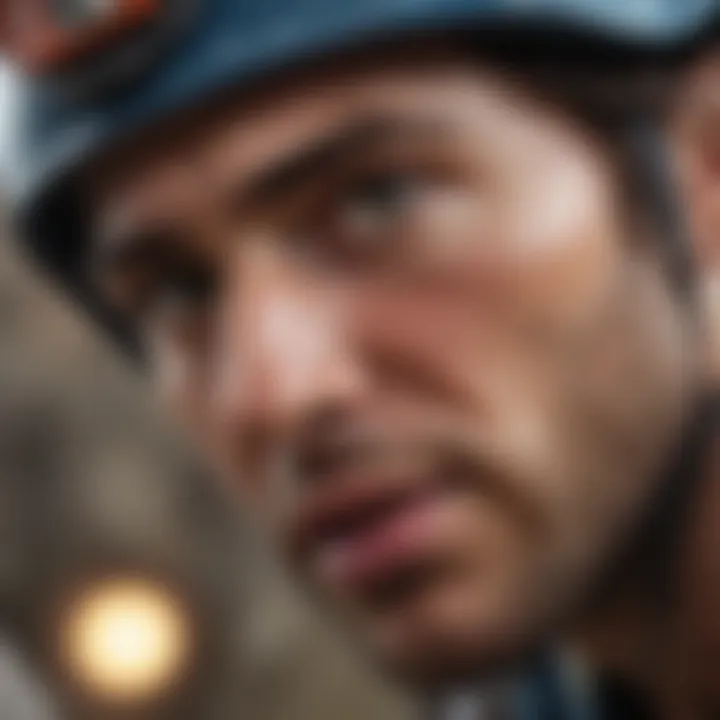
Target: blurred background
128,589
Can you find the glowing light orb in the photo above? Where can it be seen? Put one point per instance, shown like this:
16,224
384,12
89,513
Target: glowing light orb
126,640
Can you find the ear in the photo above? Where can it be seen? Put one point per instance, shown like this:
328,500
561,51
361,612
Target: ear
696,134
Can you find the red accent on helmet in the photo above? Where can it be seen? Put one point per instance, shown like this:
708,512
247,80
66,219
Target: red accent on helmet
46,35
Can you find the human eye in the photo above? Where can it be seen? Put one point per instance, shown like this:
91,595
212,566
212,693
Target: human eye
183,291
155,286
368,215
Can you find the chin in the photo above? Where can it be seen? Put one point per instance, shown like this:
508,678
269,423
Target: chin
451,636
442,657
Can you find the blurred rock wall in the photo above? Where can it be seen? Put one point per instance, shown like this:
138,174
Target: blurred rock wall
87,469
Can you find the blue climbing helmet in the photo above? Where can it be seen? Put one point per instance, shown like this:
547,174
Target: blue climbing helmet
88,73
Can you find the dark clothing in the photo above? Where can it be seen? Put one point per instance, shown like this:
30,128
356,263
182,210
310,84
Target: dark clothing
554,688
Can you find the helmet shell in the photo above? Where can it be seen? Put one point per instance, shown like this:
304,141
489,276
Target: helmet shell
231,42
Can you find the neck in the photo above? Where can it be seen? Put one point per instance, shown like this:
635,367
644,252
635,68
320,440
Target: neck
659,628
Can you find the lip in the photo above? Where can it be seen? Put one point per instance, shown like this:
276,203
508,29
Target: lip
363,533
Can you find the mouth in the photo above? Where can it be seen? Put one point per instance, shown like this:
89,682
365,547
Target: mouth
372,540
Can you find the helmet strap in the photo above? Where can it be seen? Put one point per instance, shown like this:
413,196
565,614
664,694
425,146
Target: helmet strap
657,186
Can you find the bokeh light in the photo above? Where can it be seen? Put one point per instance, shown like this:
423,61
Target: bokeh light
126,640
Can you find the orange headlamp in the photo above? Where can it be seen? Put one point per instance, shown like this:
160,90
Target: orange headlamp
48,35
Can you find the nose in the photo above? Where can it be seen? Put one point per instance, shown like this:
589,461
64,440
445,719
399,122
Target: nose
283,356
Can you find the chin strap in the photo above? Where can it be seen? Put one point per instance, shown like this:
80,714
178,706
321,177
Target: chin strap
655,180
657,188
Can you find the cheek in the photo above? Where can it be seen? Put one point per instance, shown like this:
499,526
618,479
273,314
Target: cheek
465,355
186,391
543,254
565,244
502,325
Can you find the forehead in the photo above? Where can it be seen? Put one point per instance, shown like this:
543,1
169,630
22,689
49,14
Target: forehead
246,132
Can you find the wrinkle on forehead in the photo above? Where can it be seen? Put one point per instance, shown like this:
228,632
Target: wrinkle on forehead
289,90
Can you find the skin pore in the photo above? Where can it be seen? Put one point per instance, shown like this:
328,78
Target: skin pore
400,304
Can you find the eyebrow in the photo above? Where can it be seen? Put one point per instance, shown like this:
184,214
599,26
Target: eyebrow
115,244
328,154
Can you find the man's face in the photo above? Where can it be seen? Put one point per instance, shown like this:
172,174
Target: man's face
401,307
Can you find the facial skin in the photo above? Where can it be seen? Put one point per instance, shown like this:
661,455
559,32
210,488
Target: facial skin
401,307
